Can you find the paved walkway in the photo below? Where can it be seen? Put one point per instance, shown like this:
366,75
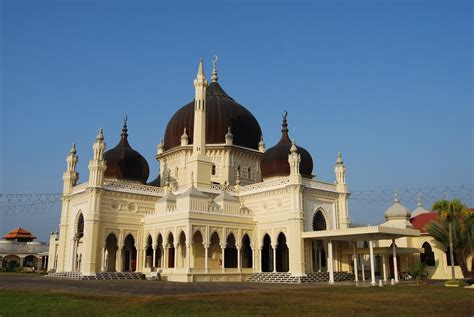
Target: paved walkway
10,281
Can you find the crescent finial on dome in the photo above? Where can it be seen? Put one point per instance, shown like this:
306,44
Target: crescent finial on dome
214,69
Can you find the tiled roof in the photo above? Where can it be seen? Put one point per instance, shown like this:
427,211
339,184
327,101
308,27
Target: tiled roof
19,233
420,221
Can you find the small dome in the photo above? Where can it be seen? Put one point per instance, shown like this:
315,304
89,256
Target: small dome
397,210
275,159
222,112
419,208
123,162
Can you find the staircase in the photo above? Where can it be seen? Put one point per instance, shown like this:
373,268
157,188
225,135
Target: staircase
98,276
312,277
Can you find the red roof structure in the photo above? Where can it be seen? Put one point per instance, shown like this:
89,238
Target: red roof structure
419,222
19,234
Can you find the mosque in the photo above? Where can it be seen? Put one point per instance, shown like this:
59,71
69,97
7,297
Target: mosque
223,207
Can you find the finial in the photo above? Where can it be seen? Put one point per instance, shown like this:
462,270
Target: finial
184,135
284,125
161,140
200,68
125,121
395,197
124,133
100,136
419,204
261,145
73,149
339,158
293,148
214,69
229,133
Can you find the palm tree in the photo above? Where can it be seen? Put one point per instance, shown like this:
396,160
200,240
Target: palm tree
454,229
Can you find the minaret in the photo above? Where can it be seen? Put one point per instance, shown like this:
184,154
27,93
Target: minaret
70,176
199,136
294,159
341,187
199,164
90,255
97,165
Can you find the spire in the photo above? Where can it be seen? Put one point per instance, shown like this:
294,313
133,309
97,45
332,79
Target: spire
293,148
284,126
419,204
214,69
200,77
161,147
184,138
395,197
73,151
339,159
124,133
100,136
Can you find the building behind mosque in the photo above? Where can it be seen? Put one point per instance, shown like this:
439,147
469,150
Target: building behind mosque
223,208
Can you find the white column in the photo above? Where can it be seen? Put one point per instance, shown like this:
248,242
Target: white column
118,260
239,268
206,252
223,258
330,263
165,257
188,256
260,260
153,265
395,266
103,269
274,258
384,268
372,265
176,256
355,262
362,266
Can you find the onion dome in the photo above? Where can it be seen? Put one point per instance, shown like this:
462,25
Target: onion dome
419,208
222,112
397,210
123,162
275,159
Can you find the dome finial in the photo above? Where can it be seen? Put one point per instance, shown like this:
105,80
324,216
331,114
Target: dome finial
419,204
214,69
395,197
284,125
124,128
100,136
339,158
73,149
293,148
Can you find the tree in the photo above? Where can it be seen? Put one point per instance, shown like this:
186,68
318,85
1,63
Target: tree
454,230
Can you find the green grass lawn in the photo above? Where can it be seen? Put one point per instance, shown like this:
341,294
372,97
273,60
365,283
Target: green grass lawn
400,300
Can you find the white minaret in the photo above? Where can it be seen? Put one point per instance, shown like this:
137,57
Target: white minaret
341,187
199,164
294,159
200,86
70,176
97,165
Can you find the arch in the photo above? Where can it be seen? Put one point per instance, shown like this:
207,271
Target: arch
130,254
213,170
267,254
111,250
216,232
230,252
215,251
149,251
427,256
319,221
181,249
159,251
171,249
282,254
30,261
79,226
198,250
11,262
246,251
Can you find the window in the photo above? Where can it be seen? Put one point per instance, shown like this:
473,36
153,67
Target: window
427,256
213,170
319,223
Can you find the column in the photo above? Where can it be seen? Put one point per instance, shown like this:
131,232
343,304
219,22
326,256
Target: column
162,257
362,266
253,259
206,252
176,247
188,257
260,260
274,258
330,263
384,268
239,268
355,262
314,256
165,257
154,257
118,259
395,266
320,263
372,266
104,259
223,258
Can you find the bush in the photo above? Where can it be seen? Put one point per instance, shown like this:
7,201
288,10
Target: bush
417,271
457,283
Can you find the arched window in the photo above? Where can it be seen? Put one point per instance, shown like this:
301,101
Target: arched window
249,173
80,226
319,223
427,256
213,170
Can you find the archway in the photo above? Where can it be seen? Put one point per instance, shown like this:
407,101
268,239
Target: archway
149,252
30,261
282,254
78,237
319,222
159,252
111,250
130,254
246,252
427,256
198,251
317,247
11,262
230,252
171,250
215,252
181,247
267,254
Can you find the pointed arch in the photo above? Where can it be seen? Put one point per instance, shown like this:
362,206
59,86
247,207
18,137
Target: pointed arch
427,257
230,252
79,225
171,249
267,254
282,254
319,222
130,254
111,246
246,250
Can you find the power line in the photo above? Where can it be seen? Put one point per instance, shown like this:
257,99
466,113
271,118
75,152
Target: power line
45,203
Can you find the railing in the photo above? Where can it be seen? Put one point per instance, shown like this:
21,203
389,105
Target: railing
257,187
223,188
79,188
133,188
310,183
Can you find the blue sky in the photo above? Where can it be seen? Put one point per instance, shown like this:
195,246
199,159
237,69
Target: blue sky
388,83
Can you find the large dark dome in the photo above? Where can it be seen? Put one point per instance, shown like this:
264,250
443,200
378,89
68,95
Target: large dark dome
221,112
123,162
275,160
